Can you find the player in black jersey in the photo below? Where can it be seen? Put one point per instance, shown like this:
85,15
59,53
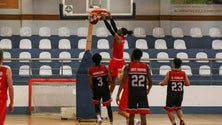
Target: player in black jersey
101,86
175,81
140,83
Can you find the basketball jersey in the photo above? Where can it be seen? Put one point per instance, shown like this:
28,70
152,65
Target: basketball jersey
137,76
117,51
99,76
176,82
3,83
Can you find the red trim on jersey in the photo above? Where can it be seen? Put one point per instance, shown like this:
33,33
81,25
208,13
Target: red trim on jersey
139,111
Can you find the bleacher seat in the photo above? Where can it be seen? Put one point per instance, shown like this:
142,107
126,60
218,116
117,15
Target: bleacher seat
218,57
220,70
205,70
163,57
105,56
183,56
45,70
6,31
6,44
214,32
160,44
103,44
65,70
44,57
179,44
202,57
158,32
139,32
44,31
101,32
164,69
64,44
145,57
195,32
65,56
25,31
7,56
82,32
25,70
81,54
217,44
82,44
64,32
126,55
187,69
126,45
25,44
25,57
45,44
177,32
141,44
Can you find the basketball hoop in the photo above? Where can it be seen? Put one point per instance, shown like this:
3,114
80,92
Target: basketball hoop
96,14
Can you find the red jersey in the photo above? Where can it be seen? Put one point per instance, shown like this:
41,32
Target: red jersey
3,83
99,76
176,81
137,76
117,51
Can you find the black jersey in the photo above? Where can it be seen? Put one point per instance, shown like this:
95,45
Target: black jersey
176,82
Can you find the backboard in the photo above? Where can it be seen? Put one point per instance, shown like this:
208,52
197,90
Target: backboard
80,8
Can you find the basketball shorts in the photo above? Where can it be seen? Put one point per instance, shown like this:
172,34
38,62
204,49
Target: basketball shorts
102,94
124,100
115,65
3,103
173,102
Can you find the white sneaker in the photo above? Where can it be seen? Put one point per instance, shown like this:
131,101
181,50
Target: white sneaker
137,122
99,122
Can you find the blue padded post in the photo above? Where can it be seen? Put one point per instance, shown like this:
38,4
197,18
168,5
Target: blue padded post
84,108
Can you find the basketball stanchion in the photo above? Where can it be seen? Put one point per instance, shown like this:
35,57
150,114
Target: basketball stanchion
85,110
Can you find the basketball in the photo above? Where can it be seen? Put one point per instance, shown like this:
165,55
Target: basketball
93,20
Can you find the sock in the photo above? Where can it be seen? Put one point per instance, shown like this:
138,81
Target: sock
98,117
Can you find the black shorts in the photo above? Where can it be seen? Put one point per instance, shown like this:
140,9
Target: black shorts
137,100
174,100
103,94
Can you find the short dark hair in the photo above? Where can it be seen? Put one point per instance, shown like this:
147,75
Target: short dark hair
137,54
97,58
177,62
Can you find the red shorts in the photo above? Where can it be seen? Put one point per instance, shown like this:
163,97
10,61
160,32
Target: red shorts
115,65
123,104
2,111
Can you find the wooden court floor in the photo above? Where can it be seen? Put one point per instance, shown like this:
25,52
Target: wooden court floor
152,119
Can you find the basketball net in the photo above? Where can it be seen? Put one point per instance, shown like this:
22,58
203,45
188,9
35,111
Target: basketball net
95,15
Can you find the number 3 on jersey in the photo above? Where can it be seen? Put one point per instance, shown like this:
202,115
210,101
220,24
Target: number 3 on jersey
100,81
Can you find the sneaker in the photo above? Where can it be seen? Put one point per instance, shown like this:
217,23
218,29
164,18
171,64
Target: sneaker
182,122
137,122
99,122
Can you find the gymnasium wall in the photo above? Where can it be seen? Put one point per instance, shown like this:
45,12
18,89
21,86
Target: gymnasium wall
197,99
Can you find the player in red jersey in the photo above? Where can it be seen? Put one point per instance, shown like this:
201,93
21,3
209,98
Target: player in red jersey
101,86
138,74
6,85
116,63
175,81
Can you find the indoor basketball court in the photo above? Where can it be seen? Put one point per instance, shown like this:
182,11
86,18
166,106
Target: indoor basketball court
64,99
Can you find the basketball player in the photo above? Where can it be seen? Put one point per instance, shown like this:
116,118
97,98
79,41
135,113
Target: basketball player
6,85
175,80
116,63
123,101
100,80
138,75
